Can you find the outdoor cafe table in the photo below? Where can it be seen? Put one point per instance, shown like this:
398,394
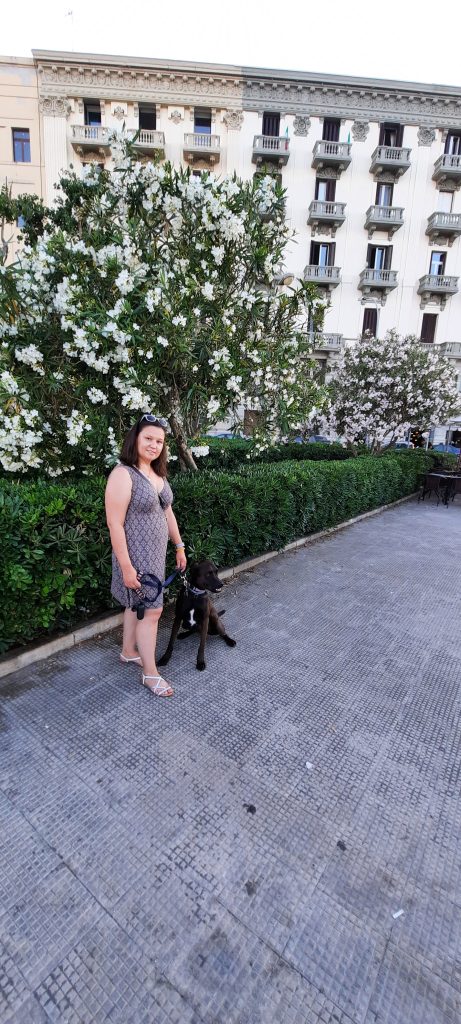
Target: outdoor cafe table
445,485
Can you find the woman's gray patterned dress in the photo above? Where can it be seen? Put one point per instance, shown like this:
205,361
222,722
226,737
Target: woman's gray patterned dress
146,532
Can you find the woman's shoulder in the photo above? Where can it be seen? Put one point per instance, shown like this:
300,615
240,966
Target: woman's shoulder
120,473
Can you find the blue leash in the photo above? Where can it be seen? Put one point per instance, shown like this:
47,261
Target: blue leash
149,581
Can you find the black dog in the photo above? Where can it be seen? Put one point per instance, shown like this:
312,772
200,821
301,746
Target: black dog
195,612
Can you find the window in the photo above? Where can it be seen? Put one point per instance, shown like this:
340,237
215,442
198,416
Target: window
370,321
331,126
428,327
92,112
453,143
379,257
147,117
391,134
271,125
202,121
325,189
445,202
384,195
437,264
322,254
21,145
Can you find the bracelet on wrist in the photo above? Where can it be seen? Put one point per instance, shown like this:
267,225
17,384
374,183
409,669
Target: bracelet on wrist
181,545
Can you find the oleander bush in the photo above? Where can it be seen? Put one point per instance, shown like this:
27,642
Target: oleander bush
55,553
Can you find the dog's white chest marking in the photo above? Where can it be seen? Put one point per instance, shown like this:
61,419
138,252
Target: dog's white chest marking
192,618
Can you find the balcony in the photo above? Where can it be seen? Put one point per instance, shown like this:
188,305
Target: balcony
199,146
149,142
443,228
383,218
390,159
275,148
323,277
380,281
328,343
85,137
337,155
326,217
433,287
451,349
447,170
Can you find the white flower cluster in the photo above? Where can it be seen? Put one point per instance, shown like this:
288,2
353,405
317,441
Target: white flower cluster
20,434
76,425
32,357
97,397
200,450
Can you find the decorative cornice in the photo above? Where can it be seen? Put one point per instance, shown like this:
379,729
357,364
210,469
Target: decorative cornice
221,86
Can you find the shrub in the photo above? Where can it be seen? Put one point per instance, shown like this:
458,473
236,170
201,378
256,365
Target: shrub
55,553
232,453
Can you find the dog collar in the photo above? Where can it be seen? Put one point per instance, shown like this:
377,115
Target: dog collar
196,592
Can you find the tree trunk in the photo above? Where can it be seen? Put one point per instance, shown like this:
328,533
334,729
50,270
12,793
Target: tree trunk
186,458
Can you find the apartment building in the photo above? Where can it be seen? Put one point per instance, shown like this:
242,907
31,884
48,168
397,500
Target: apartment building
372,170
20,144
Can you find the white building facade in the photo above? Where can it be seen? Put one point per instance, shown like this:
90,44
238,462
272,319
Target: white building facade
372,170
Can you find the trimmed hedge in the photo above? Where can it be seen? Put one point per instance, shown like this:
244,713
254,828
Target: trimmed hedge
231,453
55,554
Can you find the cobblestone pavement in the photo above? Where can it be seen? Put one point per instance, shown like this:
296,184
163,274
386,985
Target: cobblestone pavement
240,854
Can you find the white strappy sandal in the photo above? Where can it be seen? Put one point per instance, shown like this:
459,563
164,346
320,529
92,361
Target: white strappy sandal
161,688
126,661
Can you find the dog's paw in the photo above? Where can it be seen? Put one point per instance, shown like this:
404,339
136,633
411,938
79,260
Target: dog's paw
201,665
230,642
163,660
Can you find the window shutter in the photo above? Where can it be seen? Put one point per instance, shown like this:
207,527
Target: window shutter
370,321
428,327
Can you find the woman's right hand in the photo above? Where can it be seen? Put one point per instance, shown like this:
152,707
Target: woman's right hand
131,578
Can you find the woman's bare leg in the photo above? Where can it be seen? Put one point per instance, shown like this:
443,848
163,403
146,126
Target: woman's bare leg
129,634
146,639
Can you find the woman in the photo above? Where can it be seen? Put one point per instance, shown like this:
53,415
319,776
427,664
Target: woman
140,520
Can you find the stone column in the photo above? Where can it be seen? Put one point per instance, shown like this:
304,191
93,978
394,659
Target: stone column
54,110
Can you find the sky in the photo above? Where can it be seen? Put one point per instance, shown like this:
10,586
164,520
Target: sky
349,37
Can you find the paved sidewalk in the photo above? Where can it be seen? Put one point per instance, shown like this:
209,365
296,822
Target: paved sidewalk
239,854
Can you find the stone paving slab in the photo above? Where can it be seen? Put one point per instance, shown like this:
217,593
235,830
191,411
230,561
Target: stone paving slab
236,855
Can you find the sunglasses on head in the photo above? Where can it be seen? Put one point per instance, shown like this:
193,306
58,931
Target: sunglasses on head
156,420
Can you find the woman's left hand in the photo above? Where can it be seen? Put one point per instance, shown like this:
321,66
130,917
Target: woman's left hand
181,560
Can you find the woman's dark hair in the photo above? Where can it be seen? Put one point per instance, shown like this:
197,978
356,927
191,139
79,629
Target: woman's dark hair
129,452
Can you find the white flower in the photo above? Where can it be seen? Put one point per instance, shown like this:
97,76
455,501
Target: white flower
31,356
9,383
96,396
76,423
179,321
208,290
218,253
213,406
200,450
162,341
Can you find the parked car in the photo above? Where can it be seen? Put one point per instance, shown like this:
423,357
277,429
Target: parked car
318,439
399,445
450,448
228,434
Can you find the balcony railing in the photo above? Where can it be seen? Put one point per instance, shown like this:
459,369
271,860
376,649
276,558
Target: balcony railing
325,213
89,136
328,342
446,226
325,276
371,279
448,166
199,146
438,284
271,147
395,159
332,154
384,218
451,349
148,141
